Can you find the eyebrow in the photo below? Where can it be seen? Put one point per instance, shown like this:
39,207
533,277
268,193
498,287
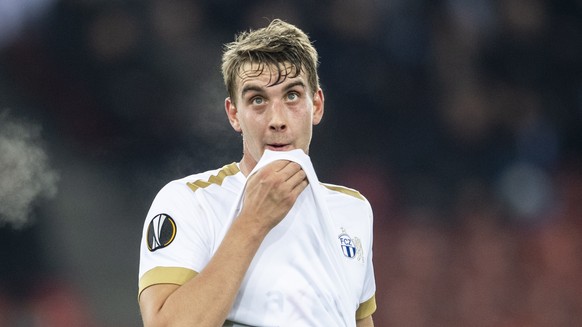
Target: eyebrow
249,88
258,89
294,84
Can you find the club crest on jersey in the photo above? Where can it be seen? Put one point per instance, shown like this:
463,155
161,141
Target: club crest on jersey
351,247
347,244
161,232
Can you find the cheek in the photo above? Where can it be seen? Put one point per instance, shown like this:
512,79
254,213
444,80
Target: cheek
243,122
306,120
249,127
257,122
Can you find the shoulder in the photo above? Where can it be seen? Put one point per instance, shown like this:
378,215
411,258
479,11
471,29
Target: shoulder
199,194
344,197
189,191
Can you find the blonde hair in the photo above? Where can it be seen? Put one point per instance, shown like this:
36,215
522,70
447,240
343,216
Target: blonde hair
270,47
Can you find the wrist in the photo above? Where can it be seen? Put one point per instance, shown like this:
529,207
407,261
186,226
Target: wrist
251,228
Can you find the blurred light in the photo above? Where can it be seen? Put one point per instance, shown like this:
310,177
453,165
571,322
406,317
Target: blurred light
25,174
527,190
16,14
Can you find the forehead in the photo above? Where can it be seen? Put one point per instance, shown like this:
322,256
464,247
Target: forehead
267,74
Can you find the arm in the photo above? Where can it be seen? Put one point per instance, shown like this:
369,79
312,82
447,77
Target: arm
366,322
206,299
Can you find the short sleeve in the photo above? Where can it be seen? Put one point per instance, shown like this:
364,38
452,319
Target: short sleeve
175,239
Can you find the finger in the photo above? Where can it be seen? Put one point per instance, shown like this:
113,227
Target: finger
290,169
300,187
274,167
270,169
297,178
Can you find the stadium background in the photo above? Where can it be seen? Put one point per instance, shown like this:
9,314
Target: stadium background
460,120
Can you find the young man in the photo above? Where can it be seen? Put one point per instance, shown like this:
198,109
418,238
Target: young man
261,242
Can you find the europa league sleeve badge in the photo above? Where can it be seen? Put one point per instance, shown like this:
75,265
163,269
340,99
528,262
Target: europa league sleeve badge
161,232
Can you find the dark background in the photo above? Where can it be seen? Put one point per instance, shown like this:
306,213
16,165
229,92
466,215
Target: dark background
460,121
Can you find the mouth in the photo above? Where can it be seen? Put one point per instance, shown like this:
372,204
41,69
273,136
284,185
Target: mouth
278,147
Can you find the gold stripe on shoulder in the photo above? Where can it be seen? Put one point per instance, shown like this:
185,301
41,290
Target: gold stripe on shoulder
217,179
345,190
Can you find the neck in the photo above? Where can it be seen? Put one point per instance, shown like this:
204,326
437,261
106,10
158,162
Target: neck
247,164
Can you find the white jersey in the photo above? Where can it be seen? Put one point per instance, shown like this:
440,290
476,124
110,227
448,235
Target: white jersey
313,269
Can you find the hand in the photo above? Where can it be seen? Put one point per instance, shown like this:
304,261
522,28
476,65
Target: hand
271,192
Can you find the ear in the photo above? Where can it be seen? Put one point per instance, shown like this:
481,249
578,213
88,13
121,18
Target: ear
318,104
231,113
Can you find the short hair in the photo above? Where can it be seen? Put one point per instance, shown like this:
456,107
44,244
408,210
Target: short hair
271,46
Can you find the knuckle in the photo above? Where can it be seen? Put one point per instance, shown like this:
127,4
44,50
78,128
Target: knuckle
289,199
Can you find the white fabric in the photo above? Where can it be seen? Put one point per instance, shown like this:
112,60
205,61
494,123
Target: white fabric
299,276
310,216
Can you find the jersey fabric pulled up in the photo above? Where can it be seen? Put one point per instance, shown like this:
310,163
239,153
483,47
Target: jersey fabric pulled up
313,269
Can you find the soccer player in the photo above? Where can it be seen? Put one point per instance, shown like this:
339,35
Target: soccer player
261,242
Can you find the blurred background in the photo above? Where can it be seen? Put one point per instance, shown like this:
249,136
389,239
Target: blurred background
460,121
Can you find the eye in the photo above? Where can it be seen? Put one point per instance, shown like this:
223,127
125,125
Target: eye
292,96
257,100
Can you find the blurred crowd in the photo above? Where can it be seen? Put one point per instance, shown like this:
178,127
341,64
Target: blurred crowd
483,270
460,121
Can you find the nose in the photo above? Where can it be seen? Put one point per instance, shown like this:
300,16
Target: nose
278,122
